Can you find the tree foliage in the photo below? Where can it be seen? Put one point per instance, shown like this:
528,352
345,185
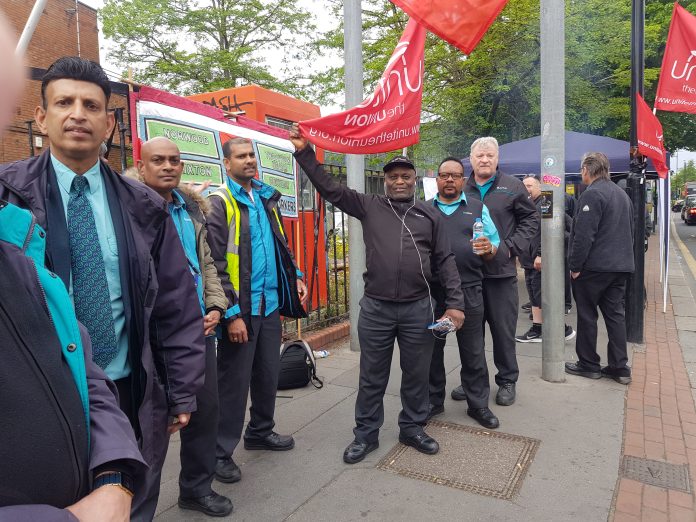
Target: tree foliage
686,173
187,46
496,89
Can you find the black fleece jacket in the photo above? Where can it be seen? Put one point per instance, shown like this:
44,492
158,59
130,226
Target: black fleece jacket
601,239
396,271
515,217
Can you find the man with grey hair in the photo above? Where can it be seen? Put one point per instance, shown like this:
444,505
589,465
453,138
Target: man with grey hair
516,219
600,258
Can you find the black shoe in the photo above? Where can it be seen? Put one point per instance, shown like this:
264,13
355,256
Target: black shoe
484,416
227,471
530,336
568,309
578,369
357,451
458,394
620,375
434,410
213,505
569,332
506,394
527,307
272,442
422,442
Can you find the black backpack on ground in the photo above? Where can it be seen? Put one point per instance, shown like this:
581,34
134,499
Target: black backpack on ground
297,366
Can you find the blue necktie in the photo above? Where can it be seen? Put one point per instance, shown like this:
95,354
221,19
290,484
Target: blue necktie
90,289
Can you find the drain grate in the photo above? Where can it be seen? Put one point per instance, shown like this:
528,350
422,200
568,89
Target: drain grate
485,462
657,473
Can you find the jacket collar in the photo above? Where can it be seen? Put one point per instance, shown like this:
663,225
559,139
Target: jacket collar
196,206
28,180
19,228
471,180
264,190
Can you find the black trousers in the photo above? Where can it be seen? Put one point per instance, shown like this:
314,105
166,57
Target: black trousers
532,279
500,302
198,439
474,371
379,325
605,290
243,368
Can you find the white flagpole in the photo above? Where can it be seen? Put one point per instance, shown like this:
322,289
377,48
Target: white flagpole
30,27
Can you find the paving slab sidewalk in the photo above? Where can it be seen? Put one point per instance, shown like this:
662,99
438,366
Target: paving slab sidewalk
660,421
585,428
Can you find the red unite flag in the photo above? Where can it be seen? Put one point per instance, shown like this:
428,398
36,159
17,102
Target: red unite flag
676,89
389,118
459,22
650,137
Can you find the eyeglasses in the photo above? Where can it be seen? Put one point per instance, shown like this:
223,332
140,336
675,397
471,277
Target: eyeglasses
456,176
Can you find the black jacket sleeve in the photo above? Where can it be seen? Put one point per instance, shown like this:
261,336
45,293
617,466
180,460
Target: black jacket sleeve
446,268
351,202
527,219
585,226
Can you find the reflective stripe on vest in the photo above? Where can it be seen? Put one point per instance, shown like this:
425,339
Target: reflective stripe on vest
232,252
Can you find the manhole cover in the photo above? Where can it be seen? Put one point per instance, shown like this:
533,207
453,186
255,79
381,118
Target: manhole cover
485,462
657,473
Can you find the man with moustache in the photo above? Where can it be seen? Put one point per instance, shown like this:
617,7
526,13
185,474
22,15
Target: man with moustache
262,283
405,244
160,167
60,413
113,244
459,214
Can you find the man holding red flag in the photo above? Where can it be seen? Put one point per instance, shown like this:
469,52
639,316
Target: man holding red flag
405,244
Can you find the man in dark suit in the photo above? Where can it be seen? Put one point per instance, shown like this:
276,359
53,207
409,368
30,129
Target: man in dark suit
114,245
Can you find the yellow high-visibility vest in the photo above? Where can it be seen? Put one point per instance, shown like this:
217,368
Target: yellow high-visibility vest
233,225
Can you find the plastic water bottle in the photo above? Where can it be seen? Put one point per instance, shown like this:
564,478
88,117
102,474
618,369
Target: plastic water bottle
478,233
320,354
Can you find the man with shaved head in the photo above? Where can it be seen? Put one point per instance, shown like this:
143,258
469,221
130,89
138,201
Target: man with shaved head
112,243
160,167
530,260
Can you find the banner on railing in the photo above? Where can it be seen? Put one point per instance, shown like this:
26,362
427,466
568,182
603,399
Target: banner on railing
200,131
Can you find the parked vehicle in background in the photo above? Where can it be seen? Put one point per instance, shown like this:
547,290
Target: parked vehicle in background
690,188
678,204
688,212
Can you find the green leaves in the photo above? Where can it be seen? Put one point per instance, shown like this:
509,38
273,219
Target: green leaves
186,46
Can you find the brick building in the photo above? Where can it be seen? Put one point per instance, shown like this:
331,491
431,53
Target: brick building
66,28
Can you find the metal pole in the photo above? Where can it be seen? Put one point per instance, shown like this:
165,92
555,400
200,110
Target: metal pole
355,164
30,129
29,28
122,128
635,185
553,184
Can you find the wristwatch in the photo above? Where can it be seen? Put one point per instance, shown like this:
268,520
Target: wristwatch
114,478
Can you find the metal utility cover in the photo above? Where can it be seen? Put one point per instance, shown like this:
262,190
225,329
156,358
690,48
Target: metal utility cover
486,462
657,473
